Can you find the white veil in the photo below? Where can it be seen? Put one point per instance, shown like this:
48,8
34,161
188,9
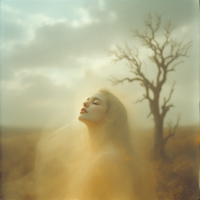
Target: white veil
67,169
58,157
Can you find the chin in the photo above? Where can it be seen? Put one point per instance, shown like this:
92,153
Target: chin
85,121
80,118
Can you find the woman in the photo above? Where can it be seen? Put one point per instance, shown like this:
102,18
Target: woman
99,167
106,120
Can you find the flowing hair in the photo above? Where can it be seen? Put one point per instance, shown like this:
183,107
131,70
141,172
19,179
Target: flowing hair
115,125
117,132
66,167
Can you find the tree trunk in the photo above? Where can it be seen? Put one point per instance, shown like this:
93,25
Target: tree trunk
158,127
158,137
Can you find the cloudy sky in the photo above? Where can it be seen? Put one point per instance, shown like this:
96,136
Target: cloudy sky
54,54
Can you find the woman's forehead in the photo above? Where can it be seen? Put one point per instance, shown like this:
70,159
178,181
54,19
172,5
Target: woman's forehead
98,95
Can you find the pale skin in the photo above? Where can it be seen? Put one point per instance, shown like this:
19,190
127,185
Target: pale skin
108,167
95,107
95,111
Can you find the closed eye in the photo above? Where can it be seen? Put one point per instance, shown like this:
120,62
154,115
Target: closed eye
96,103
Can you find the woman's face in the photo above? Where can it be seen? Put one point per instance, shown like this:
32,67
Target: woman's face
94,109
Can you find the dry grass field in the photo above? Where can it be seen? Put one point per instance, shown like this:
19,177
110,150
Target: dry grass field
176,176
18,147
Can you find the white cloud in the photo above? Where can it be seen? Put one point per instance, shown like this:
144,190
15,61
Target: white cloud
7,9
42,19
34,97
56,44
184,29
50,59
101,4
113,16
84,19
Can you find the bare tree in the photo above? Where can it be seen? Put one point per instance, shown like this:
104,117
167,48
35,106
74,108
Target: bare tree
165,56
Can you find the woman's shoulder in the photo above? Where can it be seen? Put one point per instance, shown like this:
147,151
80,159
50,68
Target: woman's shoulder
111,168
109,156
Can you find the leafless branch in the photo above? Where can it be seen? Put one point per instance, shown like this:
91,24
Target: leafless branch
168,28
165,56
170,94
132,56
173,67
116,81
165,107
172,131
129,54
178,49
141,100
150,113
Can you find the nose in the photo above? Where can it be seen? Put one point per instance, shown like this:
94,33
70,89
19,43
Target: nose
85,104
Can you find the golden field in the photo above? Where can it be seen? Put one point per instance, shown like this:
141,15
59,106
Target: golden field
176,176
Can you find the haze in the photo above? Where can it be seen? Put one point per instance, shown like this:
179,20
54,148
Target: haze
54,55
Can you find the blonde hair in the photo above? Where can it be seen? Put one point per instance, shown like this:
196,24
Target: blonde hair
115,124
118,132
66,168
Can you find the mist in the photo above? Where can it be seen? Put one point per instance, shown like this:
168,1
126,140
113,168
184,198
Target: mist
57,56
54,55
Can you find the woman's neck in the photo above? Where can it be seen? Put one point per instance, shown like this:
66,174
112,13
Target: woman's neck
96,136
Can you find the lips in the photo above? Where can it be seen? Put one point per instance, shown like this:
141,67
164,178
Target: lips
83,110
